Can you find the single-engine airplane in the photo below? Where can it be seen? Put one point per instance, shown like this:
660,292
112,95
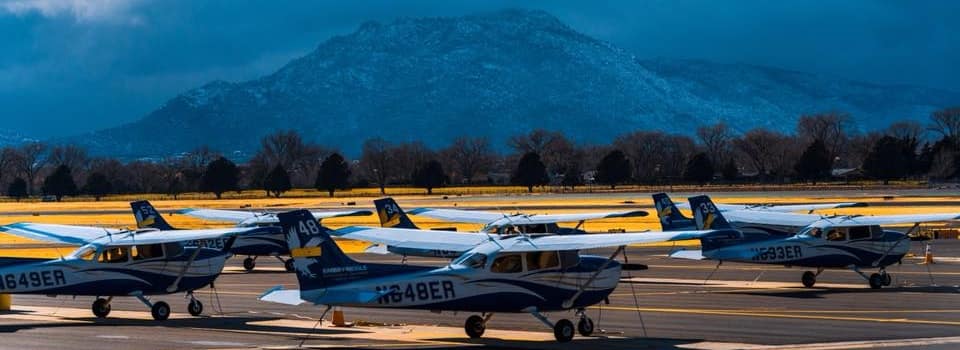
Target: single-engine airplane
112,263
851,242
250,246
495,274
500,223
755,221
392,216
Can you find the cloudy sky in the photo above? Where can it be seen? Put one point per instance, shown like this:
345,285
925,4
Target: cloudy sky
69,66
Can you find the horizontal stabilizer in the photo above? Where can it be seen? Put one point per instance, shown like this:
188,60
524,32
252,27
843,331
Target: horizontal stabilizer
282,296
688,254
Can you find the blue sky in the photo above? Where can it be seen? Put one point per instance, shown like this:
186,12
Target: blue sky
69,66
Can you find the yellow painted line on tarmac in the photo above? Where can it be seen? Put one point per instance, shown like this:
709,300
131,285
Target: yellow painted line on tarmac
795,314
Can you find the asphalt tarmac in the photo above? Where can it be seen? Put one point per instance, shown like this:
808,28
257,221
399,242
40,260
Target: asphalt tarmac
670,305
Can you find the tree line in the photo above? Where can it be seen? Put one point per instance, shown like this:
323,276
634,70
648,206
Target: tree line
823,146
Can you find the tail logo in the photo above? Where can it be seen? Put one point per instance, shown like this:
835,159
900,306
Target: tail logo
707,214
147,222
390,215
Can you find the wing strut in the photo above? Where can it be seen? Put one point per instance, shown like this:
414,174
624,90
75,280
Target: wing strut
569,302
173,286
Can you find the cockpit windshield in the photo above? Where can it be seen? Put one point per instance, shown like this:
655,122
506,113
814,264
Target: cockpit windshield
471,260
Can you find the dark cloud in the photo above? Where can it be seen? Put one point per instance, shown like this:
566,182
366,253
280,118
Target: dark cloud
66,70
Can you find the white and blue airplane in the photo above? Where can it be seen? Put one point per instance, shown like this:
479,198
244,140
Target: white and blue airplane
118,263
498,223
392,216
494,274
752,220
847,242
250,246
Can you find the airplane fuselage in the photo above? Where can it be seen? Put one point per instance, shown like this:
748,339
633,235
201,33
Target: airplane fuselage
808,251
75,276
458,288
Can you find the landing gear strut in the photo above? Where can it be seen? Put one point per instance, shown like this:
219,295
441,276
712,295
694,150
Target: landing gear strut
249,263
585,325
194,307
563,330
101,307
876,280
287,264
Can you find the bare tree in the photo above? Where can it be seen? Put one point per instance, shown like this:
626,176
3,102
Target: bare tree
655,155
9,162
553,147
946,122
470,156
757,146
73,157
830,127
716,139
32,156
377,162
409,157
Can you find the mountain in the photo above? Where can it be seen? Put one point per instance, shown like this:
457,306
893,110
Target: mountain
495,75
12,139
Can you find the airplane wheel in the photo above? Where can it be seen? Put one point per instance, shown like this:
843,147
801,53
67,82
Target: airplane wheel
101,308
249,264
288,265
809,279
563,331
195,307
160,311
876,281
585,326
887,279
475,326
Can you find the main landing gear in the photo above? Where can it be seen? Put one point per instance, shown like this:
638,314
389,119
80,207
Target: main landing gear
101,307
194,307
563,330
250,263
876,280
809,278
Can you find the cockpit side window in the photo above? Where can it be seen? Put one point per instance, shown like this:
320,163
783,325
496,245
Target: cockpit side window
837,234
147,251
87,254
815,232
542,260
569,258
173,249
510,263
115,255
859,232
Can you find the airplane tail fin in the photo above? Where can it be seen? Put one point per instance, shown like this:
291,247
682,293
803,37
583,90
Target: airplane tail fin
671,219
317,259
706,215
148,217
391,215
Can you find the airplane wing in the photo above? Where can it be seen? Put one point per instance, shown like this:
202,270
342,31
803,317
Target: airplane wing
593,241
327,297
782,208
249,217
771,218
689,254
154,237
458,215
482,217
413,238
282,296
64,234
889,219
80,235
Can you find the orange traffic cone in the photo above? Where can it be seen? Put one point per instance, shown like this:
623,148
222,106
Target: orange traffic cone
338,319
928,255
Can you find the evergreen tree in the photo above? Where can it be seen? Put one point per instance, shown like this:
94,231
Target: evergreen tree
815,162
60,183
613,169
97,186
887,160
730,171
220,176
334,173
277,181
17,189
699,169
429,176
530,171
572,177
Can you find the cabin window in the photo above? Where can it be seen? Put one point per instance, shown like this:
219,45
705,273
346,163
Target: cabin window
510,263
147,251
815,232
473,260
87,254
115,255
542,260
173,249
569,258
859,232
836,235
